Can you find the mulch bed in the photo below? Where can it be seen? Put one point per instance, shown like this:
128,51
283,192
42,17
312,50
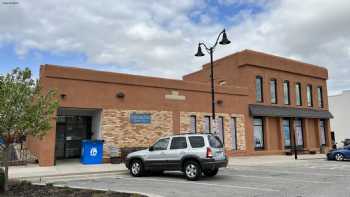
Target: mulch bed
26,189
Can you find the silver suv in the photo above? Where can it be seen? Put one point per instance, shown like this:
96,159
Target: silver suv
189,153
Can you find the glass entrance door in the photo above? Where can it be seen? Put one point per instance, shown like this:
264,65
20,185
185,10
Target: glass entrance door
70,131
299,133
286,131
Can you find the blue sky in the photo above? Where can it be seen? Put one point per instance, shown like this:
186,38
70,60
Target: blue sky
158,38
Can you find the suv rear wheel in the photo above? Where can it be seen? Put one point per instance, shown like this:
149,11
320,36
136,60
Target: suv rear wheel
136,168
192,170
211,172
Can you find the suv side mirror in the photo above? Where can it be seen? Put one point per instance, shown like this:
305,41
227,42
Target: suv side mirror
151,148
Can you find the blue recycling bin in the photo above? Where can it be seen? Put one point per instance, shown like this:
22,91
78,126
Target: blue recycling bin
91,151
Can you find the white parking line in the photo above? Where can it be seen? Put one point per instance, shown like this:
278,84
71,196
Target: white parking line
204,184
290,172
279,178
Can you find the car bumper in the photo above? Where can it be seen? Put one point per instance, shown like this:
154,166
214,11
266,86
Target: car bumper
330,156
212,163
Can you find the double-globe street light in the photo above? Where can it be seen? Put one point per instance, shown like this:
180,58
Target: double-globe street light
210,50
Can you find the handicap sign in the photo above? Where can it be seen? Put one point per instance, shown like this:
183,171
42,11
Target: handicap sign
93,151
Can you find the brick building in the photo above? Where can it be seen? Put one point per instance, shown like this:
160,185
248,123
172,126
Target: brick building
261,101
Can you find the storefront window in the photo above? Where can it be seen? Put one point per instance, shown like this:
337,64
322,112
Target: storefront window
286,130
233,133
299,132
258,133
322,132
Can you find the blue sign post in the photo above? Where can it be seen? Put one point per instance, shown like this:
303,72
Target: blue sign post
140,118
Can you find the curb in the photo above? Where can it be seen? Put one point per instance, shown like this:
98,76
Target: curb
72,174
105,190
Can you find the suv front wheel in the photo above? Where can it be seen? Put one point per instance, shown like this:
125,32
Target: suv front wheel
192,170
211,173
136,168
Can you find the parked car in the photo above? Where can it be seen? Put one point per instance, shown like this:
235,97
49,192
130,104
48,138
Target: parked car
193,154
339,154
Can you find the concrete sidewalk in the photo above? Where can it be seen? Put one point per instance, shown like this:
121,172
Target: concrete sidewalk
73,167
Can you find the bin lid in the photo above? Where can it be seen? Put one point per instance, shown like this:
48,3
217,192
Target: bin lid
92,141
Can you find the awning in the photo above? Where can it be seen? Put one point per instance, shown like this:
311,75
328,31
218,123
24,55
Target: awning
289,112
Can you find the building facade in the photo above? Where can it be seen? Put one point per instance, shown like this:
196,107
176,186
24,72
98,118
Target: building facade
338,105
264,104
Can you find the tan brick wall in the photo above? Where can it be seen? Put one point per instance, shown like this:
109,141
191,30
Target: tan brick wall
117,130
185,126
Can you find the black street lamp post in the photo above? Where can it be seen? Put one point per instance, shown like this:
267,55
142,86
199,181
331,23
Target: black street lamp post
210,50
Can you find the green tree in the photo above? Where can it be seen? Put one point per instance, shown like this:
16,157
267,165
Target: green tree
24,110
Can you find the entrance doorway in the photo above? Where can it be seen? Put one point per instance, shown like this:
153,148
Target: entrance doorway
70,131
72,126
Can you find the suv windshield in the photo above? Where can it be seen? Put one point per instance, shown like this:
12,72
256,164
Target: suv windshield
214,141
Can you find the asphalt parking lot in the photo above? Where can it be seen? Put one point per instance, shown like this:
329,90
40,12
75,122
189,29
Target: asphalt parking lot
313,177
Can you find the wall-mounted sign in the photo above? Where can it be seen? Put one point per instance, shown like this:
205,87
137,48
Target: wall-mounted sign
140,118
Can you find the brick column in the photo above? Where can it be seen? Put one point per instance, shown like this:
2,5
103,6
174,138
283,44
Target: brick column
328,134
292,132
267,133
281,132
306,132
46,154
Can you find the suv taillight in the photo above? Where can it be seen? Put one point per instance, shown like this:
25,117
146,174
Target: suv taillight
209,153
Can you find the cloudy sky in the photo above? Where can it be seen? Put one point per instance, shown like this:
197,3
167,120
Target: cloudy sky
159,38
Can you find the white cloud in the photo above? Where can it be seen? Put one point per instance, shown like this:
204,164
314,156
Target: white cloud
159,38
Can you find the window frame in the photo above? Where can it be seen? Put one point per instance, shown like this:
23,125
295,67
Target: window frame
261,100
290,133
193,117
160,140
324,132
191,137
286,82
263,133
178,137
309,91
320,97
298,91
222,125
209,123
302,132
233,125
273,95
